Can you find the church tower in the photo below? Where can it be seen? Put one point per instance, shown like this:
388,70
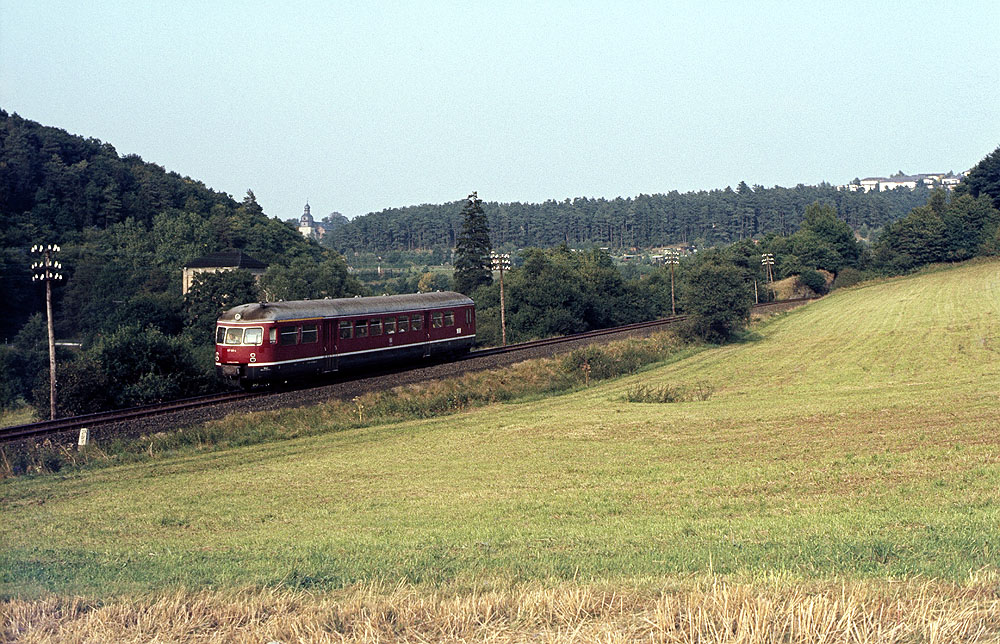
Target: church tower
306,224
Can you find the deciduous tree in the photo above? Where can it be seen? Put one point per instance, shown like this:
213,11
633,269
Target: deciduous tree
717,300
305,279
211,294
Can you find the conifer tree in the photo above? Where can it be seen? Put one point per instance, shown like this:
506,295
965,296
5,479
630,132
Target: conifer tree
472,248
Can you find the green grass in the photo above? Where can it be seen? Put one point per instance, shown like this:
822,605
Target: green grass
21,414
858,437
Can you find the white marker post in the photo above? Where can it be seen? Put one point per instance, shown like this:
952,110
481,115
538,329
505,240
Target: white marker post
84,439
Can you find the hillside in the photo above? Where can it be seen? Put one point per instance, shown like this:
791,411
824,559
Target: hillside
854,441
126,226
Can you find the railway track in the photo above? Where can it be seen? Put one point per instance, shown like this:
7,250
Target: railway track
69,423
75,423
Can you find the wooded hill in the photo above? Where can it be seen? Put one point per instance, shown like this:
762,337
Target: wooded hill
705,218
126,226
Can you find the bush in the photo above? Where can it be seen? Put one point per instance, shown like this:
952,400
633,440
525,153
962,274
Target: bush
850,277
717,301
83,388
669,393
590,363
145,366
41,458
814,281
13,385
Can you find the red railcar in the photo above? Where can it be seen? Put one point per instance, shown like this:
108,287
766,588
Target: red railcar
258,343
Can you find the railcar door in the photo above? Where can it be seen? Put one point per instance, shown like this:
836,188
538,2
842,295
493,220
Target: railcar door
330,345
426,315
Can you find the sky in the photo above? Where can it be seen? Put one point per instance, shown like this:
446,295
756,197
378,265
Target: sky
357,106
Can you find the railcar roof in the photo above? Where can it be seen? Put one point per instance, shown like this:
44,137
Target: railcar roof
348,306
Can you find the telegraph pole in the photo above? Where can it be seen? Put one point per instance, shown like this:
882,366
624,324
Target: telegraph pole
767,261
47,270
673,257
501,262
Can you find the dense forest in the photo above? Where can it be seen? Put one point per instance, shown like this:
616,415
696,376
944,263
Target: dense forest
705,218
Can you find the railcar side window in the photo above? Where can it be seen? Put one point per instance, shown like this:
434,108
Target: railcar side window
234,335
361,329
404,324
449,318
289,335
272,335
436,322
376,327
468,316
390,325
417,322
220,335
310,334
253,335
345,330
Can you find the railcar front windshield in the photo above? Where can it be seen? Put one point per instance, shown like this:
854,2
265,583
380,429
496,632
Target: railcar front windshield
234,335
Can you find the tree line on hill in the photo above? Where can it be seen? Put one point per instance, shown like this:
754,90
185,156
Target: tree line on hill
702,219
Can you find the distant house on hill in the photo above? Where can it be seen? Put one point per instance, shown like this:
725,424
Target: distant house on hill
891,183
229,260
932,180
870,183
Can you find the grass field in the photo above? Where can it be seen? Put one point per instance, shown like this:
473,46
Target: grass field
856,440
20,415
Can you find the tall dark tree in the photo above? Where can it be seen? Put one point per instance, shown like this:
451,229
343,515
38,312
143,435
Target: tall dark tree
250,203
941,231
472,248
984,178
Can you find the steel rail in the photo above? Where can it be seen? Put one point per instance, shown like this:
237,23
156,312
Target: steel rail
69,423
576,336
41,428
